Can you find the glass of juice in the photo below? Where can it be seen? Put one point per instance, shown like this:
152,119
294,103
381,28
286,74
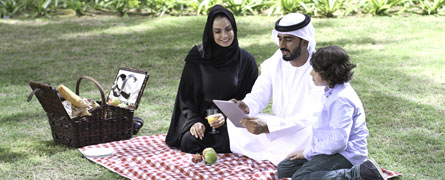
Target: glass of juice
211,117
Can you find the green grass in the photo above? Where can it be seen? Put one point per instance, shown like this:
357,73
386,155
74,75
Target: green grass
400,78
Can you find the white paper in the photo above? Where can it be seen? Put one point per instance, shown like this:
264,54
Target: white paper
232,111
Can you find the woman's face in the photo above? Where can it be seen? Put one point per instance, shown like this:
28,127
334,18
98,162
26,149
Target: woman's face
222,31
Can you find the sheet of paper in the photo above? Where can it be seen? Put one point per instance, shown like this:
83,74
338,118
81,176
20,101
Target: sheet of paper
232,111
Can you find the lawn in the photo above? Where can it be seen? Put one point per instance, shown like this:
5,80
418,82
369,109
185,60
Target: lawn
400,77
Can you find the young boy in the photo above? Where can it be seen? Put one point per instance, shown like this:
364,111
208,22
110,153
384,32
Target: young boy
338,149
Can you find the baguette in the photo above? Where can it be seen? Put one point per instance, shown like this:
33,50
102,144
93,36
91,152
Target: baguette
71,97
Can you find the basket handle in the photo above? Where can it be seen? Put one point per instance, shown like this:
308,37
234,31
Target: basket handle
32,94
95,82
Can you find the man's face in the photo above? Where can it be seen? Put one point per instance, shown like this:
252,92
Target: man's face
290,46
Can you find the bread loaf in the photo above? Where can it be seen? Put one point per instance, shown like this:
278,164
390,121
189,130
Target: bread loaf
71,97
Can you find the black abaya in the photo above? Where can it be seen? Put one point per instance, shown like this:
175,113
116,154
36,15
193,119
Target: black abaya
199,85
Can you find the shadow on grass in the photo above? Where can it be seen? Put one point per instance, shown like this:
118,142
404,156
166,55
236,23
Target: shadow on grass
8,156
39,148
399,130
23,117
48,147
389,93
401,126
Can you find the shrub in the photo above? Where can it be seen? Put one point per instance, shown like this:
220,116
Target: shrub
327,8
289,6
43,7
431,7
382,7
122,6
243,7
353,7
161,7
78,6
205,5
8,8
302,6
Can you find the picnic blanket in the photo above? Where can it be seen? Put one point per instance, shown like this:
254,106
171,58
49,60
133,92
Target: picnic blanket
148,157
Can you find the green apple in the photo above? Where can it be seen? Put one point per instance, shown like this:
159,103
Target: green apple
210,155
123,105
113,101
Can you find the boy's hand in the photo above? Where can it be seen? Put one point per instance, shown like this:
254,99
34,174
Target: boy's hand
296,155
255,125
243,106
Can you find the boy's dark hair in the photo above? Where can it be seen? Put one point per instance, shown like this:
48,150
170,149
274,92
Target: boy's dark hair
332,63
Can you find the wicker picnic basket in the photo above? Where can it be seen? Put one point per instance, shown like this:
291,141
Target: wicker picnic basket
107,122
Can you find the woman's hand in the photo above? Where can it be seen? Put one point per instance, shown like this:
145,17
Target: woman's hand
219,121
296,155
243,106
198,130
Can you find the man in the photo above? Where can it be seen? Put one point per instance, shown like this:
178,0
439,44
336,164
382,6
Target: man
285,77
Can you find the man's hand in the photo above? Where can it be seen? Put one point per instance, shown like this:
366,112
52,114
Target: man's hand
296,155
198,130
243,106
255,125
219,121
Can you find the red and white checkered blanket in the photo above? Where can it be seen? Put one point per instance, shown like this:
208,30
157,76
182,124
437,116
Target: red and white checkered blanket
148,157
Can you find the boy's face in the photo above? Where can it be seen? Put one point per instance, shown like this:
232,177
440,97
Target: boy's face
318,81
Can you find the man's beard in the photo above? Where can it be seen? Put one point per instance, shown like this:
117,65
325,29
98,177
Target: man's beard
293,55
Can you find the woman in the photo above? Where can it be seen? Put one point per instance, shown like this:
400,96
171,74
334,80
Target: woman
216,69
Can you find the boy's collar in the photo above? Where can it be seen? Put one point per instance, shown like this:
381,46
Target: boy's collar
328,91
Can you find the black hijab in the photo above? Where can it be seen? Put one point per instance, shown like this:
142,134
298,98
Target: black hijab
212,53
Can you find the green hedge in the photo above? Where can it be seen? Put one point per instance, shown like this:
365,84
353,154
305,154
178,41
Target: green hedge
321,8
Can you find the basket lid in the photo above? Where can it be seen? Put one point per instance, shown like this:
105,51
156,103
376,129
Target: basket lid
48,98
128,87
